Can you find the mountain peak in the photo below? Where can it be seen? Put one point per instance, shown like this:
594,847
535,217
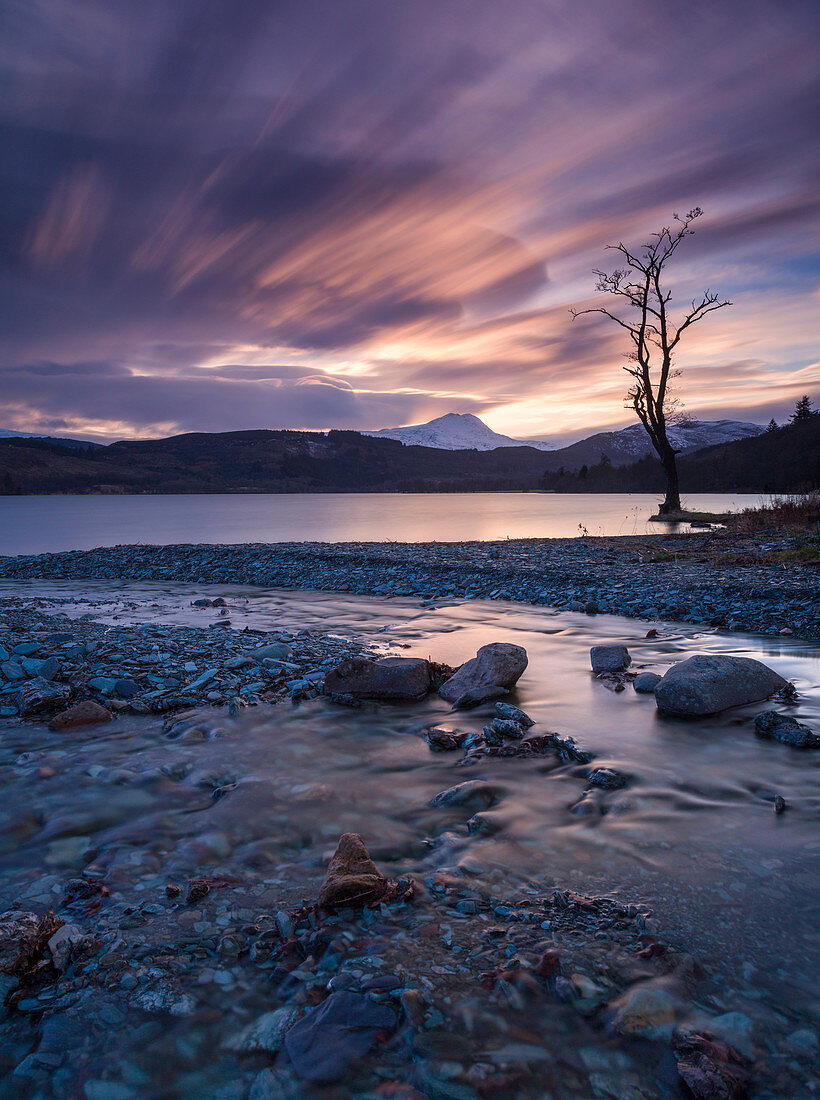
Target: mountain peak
453,431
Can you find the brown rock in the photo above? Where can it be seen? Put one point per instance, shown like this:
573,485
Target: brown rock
198,889
352,877
87,713
389,678
16,928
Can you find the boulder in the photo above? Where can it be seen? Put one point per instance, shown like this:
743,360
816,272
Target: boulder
709,683
389,678
493,671
785,728
87,713
646,682
352,878
39,696
609,658
324,1045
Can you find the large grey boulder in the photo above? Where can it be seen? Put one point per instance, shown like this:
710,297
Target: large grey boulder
389,678
492,672
609,658
709,683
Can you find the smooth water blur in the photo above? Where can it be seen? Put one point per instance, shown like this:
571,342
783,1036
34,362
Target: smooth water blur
693,838
694,834
44,524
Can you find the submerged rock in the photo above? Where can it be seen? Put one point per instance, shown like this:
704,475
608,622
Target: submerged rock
324,1044
475,793
648,1010
496,668
444,740
389,678
352,878
607,778
708,683
783,727
267,1032
87,713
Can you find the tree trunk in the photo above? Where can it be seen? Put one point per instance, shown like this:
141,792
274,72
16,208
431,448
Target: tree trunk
672,500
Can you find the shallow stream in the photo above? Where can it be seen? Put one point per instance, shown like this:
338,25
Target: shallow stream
693,840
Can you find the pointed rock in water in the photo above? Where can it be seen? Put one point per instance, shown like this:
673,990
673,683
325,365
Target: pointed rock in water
324,1044
267,1032
709,683
493,671
389,678
607,778
87,713
352,878
609,658
783,727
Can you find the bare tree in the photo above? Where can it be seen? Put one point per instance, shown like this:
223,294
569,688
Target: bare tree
654,336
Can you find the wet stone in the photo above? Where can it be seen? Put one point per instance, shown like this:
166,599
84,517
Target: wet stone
327,1042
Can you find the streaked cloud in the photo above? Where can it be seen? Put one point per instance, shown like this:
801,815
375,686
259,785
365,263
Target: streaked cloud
228,215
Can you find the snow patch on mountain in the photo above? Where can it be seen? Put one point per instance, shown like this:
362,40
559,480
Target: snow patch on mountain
455,432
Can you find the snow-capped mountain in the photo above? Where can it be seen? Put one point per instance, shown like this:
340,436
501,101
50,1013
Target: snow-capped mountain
455,432
632,443
465,432
7,433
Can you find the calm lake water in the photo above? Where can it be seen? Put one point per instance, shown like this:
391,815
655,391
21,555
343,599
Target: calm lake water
43,524
693,837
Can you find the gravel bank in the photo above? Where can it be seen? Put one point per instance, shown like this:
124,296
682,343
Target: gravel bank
678,577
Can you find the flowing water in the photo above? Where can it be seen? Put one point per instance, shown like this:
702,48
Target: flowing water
43,524
693,838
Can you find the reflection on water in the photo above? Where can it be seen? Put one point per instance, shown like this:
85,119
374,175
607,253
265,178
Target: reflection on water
41,524
693,837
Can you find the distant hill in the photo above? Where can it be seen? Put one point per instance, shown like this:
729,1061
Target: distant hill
82,444
632,443
782,461
310,462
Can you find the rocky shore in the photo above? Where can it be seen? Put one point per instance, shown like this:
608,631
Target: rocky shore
722,580
48,661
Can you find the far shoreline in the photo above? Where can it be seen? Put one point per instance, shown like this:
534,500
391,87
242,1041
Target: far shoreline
715,579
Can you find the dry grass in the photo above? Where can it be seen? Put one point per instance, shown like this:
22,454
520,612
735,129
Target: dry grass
781,515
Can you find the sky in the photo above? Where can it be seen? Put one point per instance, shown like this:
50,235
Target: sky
230,214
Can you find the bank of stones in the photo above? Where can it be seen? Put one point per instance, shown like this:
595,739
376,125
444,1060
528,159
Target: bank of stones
152,668
651,577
